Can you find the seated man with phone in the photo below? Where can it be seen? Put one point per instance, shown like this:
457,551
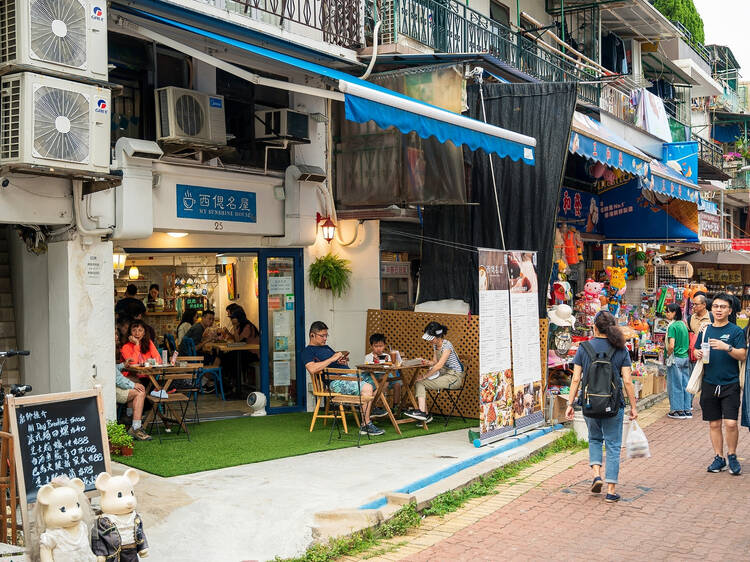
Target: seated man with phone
318,356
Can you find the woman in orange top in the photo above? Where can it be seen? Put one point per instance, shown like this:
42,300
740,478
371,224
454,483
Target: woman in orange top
140,348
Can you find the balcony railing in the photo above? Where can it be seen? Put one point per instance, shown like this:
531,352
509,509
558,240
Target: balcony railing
709,152
337,20
699,48
450,26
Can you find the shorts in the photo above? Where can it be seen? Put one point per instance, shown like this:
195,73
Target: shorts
720,402
121,395
352,387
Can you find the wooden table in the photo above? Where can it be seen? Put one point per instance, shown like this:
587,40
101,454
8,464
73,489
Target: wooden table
380,372
161,377
228,347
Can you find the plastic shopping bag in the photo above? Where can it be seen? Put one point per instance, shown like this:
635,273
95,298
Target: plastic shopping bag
636,445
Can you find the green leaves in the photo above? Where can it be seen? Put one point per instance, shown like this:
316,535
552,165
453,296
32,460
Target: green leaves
683,11
118,435
330,272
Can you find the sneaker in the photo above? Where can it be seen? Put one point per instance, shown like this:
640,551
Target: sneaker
428,419
208,388
734,465
676,415
718,465
370,429
139,434
596,485
378,413
612,498
417,415
688,414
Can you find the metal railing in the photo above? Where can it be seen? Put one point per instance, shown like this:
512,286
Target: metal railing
338,20
709,151
699,48
450,26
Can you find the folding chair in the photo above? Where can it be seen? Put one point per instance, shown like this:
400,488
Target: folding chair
170,344
213,372
454,402
321,392
166,410
355,402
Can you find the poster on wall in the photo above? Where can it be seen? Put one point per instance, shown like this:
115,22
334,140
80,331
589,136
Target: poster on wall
495,374
231,282
524,327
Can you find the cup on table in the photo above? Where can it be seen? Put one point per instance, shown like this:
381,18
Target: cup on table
706,350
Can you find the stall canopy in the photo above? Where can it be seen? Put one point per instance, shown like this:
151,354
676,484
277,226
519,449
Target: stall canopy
666,181
364,100
592,140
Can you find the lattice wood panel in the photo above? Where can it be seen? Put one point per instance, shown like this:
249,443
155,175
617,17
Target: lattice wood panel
403,331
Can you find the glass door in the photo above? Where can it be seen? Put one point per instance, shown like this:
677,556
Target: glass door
281,317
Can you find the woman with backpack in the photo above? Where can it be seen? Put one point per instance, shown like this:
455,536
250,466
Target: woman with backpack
603,364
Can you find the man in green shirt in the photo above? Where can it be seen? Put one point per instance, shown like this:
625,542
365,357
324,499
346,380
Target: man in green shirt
678,365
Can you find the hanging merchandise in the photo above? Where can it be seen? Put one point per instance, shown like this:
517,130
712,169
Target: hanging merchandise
616,290
591,303
570,244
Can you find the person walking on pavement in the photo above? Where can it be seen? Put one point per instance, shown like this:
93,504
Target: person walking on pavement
678,365
609,342
700,316
720,388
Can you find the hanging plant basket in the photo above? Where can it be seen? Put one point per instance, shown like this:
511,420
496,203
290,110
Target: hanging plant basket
331,273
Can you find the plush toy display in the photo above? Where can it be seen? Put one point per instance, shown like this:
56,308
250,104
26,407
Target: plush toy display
118,532
62,515
616,288
591,303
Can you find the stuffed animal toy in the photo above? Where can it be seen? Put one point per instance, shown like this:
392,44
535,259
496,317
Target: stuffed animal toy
616,288
62,515
117,535
591,304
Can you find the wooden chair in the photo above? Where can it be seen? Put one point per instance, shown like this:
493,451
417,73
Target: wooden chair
356,402
322,392
213,372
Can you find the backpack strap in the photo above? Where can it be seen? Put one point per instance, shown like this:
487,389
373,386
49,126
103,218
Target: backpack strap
589,349
611,353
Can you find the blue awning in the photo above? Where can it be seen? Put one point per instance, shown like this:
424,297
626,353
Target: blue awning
590,139
366,101
667,181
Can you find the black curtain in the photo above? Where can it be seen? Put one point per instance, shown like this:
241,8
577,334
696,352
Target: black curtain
528,195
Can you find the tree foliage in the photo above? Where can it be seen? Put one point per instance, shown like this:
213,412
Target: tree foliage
683,11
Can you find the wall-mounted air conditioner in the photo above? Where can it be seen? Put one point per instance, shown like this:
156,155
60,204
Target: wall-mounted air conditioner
190,117
53,122
68,36
275,125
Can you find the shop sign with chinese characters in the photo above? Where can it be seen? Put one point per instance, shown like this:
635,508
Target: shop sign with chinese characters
208,203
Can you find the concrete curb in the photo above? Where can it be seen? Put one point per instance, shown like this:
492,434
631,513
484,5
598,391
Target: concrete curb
329,524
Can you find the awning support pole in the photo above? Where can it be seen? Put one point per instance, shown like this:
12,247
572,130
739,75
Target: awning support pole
478,78
223,65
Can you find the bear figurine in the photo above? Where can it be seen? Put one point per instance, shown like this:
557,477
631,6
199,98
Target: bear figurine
62,511
117,535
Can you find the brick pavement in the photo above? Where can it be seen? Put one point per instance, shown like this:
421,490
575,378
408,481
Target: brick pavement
672,509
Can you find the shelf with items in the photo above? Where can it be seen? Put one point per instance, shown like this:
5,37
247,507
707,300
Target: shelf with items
396,288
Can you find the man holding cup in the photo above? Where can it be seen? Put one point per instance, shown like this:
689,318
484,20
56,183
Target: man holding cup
721,347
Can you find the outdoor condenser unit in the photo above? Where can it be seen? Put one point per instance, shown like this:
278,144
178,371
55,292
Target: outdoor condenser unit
275,125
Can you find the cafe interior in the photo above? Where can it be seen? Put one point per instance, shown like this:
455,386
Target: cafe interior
268,286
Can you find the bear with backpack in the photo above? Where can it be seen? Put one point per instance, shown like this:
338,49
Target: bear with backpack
602,370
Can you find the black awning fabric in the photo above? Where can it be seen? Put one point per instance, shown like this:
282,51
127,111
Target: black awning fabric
528,195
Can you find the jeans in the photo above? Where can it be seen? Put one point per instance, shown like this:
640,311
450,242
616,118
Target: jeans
608,432
678,375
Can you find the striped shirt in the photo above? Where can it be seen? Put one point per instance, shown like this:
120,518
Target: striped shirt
453,362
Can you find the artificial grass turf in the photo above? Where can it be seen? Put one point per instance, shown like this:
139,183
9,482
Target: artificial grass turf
219,444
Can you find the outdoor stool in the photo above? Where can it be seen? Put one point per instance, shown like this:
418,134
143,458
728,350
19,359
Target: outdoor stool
454,401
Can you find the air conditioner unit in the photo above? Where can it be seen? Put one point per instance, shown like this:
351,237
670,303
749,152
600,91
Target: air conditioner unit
190,116
274,125
67,36
53,122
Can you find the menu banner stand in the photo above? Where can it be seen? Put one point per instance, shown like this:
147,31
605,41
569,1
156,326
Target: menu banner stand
61,434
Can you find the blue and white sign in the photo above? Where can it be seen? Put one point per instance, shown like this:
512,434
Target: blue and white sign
208,203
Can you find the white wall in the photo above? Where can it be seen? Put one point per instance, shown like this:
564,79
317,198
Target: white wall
31,301
246,283
30,199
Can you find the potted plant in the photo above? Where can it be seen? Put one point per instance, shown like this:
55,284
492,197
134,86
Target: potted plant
120,442
330,272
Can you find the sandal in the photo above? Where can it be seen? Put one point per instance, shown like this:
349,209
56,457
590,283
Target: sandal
596,485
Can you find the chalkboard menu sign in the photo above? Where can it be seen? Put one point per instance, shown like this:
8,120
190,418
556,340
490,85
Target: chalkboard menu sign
194,303
59,434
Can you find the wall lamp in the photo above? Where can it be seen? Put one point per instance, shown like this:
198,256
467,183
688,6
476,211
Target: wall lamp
328,227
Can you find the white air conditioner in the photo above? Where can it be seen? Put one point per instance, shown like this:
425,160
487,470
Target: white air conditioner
68,36
53,122
190,116
274,125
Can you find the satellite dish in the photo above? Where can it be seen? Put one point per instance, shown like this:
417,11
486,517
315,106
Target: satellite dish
256,401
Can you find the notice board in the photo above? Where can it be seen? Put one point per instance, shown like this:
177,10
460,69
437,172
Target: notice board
62,434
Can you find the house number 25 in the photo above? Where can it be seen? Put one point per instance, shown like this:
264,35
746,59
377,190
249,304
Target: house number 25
218,225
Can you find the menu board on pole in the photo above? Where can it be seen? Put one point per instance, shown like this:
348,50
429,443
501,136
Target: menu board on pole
495,374
524,322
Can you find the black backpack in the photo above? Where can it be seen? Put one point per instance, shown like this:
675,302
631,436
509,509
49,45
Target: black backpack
600,396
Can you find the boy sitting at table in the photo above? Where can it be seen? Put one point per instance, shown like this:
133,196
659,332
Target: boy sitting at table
378,354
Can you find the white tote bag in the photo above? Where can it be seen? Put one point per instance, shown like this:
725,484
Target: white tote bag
696,378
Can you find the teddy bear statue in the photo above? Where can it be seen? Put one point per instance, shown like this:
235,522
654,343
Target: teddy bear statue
62,514
117,535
